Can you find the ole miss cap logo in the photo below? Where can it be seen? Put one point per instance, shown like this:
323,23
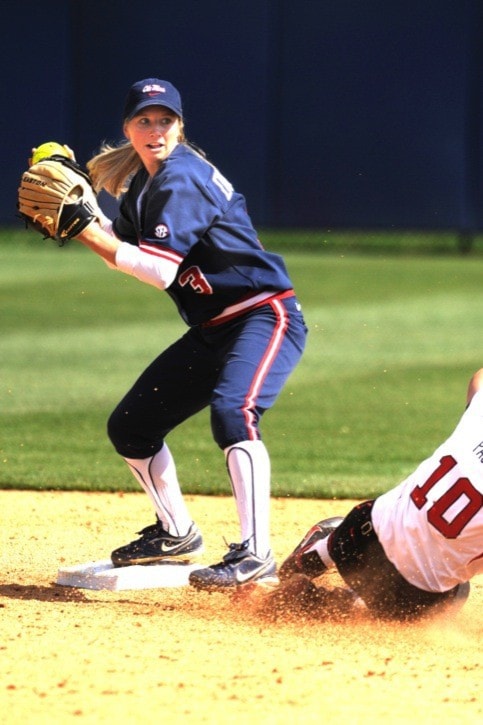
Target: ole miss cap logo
152,92
154,89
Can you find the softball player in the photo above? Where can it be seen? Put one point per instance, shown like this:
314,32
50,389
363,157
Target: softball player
418,545
183,228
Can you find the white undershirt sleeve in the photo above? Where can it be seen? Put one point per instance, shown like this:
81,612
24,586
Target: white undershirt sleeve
106,225
147,268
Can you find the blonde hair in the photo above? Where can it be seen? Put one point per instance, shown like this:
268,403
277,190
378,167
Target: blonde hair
114,166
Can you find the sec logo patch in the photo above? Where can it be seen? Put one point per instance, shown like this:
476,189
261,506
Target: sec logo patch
161,231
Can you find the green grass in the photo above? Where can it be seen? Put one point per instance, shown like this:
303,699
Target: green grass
392,342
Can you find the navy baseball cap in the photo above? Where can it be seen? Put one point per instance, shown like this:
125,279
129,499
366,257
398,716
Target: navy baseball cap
152,92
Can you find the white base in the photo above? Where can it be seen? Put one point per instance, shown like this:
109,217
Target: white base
103,575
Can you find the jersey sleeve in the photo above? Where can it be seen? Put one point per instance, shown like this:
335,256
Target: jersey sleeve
183,203
123,225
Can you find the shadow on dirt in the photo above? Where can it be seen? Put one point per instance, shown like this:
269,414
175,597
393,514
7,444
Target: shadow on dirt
53,593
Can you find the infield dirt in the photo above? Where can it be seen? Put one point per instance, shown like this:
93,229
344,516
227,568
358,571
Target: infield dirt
176,655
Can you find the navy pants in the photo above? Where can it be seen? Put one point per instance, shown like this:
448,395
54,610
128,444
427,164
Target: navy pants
238,368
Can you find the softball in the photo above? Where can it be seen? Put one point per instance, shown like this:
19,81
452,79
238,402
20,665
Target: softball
48,149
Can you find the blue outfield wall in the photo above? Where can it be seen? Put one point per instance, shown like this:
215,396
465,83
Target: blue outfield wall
324,113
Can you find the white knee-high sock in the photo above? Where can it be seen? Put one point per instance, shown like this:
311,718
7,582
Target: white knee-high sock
322,550
157,475
248,466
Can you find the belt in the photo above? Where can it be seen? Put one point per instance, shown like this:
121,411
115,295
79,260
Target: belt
245,305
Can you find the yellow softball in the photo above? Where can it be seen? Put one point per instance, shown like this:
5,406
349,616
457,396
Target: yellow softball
48,149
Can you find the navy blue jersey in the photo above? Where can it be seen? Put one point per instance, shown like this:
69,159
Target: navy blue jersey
189,213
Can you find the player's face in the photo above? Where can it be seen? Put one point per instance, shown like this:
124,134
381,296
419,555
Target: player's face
154,133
